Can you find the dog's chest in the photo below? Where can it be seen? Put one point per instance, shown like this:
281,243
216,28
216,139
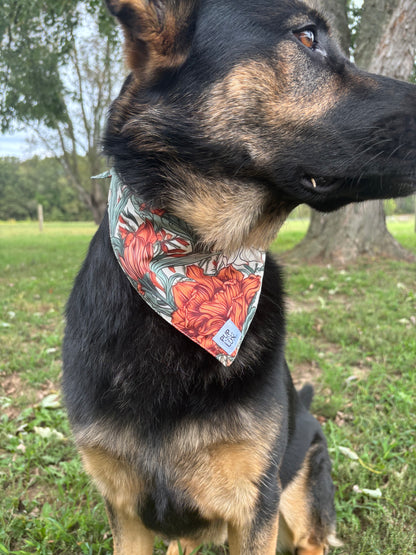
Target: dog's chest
218,482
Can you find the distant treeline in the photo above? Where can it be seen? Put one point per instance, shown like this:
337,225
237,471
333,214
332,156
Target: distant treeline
24,185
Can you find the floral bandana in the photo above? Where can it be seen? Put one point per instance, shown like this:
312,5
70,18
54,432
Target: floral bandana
209,297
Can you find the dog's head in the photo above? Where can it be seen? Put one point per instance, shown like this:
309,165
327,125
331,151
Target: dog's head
236,111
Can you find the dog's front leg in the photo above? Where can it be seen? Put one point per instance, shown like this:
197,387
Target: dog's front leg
120,486
129,535
187,547
258,536
257,539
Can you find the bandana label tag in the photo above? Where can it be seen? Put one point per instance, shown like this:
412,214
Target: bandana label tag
228,336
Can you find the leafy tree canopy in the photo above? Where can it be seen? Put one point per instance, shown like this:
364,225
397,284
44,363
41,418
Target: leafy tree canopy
36,38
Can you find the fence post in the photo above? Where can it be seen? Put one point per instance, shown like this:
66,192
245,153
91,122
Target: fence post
40,217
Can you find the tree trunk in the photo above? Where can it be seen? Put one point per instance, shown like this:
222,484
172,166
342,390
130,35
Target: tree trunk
361,229
356,230
91,192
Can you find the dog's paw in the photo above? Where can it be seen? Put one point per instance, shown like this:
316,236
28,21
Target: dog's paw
187,548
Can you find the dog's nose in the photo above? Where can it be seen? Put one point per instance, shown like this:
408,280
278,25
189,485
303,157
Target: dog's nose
393,141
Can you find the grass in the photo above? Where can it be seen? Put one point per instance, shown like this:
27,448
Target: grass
352,332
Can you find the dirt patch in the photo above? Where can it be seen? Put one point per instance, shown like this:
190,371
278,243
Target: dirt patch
11,386
295,307
327,347
306,372
46,388
14,390
359,372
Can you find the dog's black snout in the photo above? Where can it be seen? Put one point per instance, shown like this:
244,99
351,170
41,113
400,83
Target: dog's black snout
394,141
408,136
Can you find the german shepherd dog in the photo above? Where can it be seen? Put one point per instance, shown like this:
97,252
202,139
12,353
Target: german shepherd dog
235,112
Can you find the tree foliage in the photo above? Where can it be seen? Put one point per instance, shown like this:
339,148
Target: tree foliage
24,185
36,38
59,62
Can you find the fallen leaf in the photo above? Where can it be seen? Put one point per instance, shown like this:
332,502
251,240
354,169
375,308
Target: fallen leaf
349,453
47,433
374,493
51,401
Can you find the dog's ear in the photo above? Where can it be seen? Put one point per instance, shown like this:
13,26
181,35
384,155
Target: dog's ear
158,33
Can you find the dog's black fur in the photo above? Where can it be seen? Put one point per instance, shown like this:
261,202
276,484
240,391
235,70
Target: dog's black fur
233,115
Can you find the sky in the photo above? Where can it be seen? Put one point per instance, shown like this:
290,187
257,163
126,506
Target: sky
15,145
22,145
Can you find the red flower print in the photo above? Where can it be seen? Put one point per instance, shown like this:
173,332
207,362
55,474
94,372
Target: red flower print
208,302
140,247
138,252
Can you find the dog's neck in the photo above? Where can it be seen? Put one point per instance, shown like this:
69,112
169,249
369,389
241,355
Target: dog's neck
208,296
226,213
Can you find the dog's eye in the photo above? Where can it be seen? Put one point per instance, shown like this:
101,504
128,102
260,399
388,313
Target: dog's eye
306,37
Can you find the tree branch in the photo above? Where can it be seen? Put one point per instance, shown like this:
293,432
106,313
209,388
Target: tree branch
81,93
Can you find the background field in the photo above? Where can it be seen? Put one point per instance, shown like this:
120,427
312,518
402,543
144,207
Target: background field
352,332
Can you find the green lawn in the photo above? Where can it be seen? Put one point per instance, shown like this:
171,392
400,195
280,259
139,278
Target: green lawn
351,331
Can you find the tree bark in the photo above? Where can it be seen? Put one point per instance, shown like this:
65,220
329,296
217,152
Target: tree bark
394,22
357,230
361,229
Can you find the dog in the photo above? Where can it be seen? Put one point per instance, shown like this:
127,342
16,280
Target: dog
175,381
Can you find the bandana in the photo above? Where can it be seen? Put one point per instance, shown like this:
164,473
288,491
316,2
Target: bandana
209,297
